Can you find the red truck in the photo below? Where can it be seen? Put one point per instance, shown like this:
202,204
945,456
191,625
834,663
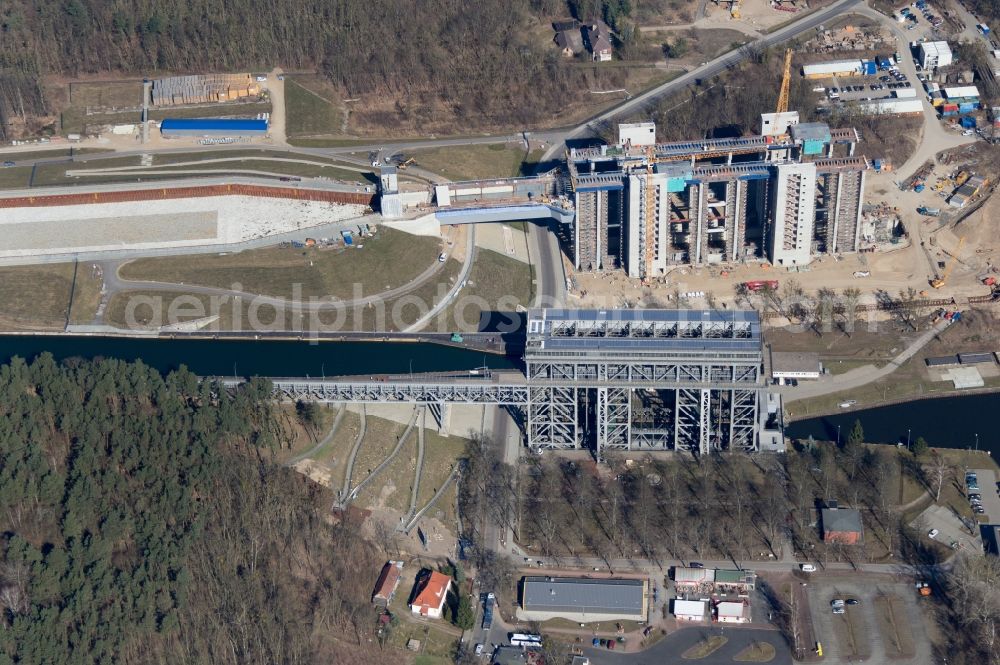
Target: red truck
759,284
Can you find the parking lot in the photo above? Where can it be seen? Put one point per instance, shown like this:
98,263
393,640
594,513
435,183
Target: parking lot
876,620
989,494
863,88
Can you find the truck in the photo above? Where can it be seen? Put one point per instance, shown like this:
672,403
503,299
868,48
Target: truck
348,238
930,212
984,29
760,284
488,610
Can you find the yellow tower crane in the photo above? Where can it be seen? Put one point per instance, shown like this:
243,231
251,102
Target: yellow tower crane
938,282
786,81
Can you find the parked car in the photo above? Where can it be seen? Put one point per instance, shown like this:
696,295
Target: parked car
808,568
611,644
853,601
479,649
933,533
696,564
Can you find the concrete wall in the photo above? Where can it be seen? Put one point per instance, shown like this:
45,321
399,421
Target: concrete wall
589,617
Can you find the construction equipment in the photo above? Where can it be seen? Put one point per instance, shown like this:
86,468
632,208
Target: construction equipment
407,163
938,282
734,9
786,81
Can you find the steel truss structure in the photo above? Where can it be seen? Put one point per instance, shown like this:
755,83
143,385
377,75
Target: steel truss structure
603,379
592,373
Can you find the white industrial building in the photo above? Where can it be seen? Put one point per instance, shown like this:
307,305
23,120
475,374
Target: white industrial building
732,612
637,133
891,107
961,92
833,68
934,54
795,365
689,610
794,209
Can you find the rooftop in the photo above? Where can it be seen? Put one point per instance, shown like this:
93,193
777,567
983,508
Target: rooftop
731,609
644,330
694,575
811,131
387,580
846,520
575,594
433,592
794,361
689,607
231,124
734,576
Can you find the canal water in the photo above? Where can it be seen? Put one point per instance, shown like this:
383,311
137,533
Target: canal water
257,357
946,422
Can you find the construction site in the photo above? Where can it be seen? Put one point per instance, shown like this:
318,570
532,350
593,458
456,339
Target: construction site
791,192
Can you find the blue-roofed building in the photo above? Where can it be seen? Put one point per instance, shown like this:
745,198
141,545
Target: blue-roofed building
212,127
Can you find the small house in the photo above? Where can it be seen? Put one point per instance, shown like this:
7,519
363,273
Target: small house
599,41
387,582
570,42
432,593
841,525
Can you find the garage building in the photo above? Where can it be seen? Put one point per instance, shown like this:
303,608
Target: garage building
732,612
582,599
212,127
689,610
794,365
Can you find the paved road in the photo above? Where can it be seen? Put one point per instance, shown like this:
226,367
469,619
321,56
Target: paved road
547,258
463,276
114,283
669,649
859,376
619,566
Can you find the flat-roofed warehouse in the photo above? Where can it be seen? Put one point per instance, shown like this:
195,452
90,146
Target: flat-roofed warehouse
583,600
212,127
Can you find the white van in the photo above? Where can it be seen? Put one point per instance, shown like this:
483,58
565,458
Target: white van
808,568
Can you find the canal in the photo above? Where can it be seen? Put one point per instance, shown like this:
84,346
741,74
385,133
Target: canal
258,357
948,422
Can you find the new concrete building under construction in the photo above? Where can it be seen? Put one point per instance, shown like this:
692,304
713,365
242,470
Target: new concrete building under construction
785,197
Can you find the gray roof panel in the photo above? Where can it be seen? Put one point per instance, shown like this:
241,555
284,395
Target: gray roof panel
577,595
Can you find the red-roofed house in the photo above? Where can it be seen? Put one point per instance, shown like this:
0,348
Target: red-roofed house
432,593
387,582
